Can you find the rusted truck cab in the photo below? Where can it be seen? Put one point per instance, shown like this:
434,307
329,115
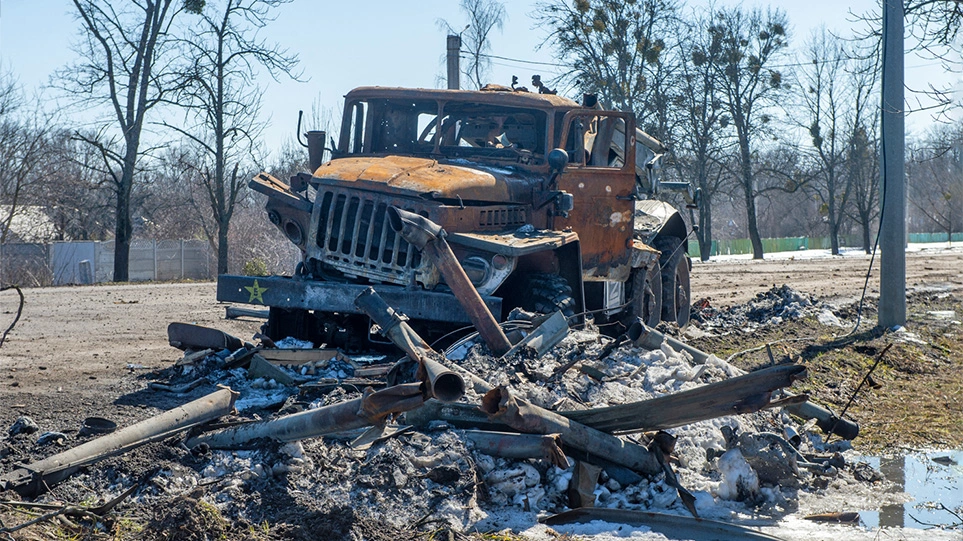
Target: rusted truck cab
542,199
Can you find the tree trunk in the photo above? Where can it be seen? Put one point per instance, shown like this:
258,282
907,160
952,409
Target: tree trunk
754,237
833,237
705,230
123,228
222,248
833,224
864,217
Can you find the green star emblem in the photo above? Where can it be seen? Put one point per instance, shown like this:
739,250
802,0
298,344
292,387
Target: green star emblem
256,291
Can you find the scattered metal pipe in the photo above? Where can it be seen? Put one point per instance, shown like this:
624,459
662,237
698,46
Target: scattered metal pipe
825,419
443,383
36,478
743,394
500,405
649,338
671,526
547,447
429,237
371,409
234,312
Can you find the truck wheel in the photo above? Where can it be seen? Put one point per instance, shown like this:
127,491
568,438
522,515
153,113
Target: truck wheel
675,281
547,293
646,296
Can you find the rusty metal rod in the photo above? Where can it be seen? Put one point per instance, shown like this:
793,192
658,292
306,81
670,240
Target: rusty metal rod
371,409
443,383
547,447
500,405
429,237
35,478
828,421
743,394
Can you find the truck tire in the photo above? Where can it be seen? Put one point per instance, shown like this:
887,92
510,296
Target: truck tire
547,293
645,301
675,281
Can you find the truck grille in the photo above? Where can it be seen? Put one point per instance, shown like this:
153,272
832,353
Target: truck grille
502,217
355,238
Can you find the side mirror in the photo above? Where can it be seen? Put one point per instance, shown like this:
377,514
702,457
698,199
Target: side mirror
557,160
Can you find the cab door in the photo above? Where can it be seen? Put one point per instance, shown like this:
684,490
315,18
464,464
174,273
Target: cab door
602,185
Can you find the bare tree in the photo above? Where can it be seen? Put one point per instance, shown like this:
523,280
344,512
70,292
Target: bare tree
862,163
24,143
935,176
125,66
484,17
826,97
752,43
700,144
223,100
76,189
613,46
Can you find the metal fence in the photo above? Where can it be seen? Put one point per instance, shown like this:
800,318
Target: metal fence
791,244
85,262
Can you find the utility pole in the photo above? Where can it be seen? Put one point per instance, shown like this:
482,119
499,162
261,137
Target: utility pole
892,240
454,50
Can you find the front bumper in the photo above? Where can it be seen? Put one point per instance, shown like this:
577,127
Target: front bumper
285,292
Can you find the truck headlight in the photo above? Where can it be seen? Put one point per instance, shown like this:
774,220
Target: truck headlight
478,270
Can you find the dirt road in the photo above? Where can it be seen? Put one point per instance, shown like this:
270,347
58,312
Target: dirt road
74,347
736,281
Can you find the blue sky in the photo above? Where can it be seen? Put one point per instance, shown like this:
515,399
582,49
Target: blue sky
347,44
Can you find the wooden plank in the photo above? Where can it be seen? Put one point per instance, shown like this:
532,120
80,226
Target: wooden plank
298,356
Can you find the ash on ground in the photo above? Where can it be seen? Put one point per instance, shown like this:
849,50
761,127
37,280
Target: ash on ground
430,479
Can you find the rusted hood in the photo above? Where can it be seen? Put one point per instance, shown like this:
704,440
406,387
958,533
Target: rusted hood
426,177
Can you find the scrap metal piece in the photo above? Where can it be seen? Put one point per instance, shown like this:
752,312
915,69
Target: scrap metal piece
33,479
581,489
547,447
443,384
187,336
429,237
550,332
742,394
234,312
826,420
261,368
369,410
671,526
500,405
284,292
649,338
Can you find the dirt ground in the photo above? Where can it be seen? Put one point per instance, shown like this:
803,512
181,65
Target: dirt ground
85,351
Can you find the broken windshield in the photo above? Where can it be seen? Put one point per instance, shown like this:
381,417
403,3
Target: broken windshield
463,130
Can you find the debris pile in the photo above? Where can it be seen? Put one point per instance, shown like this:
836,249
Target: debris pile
461,440
772,307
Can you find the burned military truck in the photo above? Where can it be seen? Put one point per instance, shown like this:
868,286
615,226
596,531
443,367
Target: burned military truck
547,204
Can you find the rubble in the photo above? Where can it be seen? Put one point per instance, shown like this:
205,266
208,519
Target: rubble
329,437
771,307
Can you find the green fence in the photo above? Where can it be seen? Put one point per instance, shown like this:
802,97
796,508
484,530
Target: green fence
791,244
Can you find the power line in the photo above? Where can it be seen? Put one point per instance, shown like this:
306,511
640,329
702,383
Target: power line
569,66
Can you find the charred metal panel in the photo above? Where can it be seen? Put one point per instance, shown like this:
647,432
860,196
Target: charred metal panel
417,176
602,215
353,236
515,244
282,292
603,191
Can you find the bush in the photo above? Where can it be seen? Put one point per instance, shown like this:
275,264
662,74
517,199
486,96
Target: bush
255,267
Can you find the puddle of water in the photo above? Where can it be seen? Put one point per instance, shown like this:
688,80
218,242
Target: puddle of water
929,483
